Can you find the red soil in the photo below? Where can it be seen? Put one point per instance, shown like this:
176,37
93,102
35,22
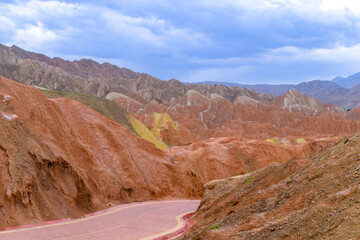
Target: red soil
59,159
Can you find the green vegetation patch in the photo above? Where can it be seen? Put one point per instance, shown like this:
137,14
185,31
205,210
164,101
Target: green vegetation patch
214,227
346,140
249,179
105,107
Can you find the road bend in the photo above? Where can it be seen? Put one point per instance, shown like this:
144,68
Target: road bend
146,220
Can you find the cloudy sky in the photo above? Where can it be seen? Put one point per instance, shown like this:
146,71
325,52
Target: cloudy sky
244,41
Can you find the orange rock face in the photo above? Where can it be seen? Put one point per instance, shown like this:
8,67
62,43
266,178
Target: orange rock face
59,158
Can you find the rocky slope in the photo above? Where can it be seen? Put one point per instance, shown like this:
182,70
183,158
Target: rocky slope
90,77
313,198
196,117
60,158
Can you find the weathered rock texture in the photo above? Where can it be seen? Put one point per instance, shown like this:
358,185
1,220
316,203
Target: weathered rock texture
90,77
59,158
313,198
198,117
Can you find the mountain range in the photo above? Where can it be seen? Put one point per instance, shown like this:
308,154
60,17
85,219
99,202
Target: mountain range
340,91
89,77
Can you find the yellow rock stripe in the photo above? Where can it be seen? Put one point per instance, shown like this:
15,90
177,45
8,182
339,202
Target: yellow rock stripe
145,133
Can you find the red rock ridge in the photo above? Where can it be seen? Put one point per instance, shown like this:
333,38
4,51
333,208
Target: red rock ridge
59,159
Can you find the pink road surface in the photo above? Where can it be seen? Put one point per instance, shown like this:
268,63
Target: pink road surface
146,220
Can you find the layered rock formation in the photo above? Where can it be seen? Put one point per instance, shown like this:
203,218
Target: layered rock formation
59,158
90,77
199,117
314,198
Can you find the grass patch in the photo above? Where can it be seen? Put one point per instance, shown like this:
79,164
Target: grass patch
47,90
100,111
105,107
249,179
214,227
346,140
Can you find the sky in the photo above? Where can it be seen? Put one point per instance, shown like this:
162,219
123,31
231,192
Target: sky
240,41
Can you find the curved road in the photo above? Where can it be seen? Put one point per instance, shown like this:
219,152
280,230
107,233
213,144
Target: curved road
146,220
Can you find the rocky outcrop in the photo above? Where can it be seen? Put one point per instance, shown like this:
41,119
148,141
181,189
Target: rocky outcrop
293,100
312,198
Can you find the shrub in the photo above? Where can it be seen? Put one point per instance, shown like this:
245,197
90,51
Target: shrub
346,140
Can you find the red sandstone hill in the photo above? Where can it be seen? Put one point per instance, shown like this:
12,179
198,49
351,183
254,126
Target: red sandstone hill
199,117
59,158
313,198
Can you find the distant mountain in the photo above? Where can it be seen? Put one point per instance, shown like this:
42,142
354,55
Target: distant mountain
277,90
89,77
348,82
326,91
228,84
315,88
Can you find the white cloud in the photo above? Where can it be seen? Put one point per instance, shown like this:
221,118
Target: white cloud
153,31
137,28
6,21
6,24
340,54
351,5
34,8
24,22
209,37
300,6
227,74
33,36
288,55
